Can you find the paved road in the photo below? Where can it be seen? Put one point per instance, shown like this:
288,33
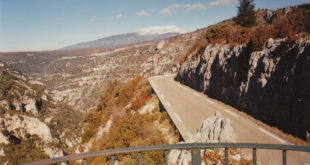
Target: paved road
188,108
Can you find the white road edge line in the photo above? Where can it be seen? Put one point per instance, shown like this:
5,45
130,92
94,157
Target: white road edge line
272,135
232,113
210,101
196,94
178,117
168,104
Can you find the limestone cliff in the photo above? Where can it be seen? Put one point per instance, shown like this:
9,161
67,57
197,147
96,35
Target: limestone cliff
272,85
32,125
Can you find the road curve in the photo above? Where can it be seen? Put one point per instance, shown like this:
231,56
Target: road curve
187,108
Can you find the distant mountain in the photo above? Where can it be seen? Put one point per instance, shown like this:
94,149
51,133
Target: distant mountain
122,39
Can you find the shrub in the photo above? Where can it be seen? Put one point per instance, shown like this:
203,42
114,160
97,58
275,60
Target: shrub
125,131
135,130
27,150
259,38
141,99
218,33
93,120
229,33
292,24
126,93
240,35
87,135
163,117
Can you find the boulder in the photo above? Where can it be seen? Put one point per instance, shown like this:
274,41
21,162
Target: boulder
214,129
30,106
20,125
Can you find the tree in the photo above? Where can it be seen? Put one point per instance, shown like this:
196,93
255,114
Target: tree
246,14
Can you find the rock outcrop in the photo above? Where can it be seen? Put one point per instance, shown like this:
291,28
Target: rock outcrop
214,129
272,85
32,126
20,126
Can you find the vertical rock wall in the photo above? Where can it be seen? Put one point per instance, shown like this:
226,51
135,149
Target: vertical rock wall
272,85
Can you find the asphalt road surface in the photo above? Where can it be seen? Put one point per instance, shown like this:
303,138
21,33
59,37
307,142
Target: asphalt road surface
188,108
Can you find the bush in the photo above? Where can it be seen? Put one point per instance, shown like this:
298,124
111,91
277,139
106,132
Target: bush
27,150
126,93
135,130
87,135
229,33
93,119
125,131
218,33
259,38
141,99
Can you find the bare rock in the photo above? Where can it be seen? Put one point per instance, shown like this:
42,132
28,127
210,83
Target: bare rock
3,139
20,125
53,152
271,85
269,16
214,129
30,106
270,43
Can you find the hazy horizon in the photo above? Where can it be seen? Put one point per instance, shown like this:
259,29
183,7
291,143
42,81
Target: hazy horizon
36,25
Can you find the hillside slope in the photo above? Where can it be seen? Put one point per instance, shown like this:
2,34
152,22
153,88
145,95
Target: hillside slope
77,77
32,125
128,115
266,78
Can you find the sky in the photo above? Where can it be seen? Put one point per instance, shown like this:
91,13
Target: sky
34,25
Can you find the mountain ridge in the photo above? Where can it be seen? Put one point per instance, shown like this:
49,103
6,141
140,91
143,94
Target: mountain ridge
120,39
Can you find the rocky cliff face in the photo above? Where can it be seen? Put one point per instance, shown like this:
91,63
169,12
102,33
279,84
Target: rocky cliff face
272,85
32,125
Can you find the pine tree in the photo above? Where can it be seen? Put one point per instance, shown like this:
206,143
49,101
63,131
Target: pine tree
246,14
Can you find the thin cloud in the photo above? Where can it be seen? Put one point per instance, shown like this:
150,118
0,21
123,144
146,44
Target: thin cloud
118,16
197,6
184,7
160,30
165,12
222,2
143,13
